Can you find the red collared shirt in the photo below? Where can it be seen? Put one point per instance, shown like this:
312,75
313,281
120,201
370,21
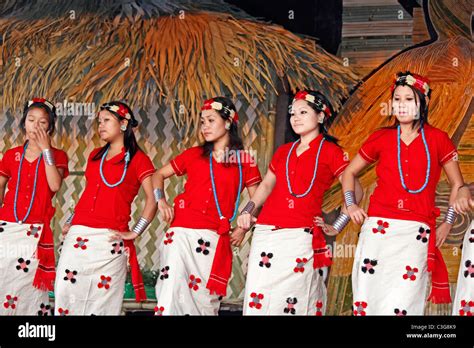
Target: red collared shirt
103,207
195,207
9,167
283,209
389,199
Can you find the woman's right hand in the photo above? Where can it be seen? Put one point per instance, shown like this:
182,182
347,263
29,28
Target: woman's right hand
245,221
357,214
166,211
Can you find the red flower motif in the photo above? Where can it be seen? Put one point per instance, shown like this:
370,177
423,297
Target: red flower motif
33,231
467,308
10,302
104,282
319,308
63,312
169,238
256,300
300,265
81,243
193,282
381,226
359,308
159,310
410,273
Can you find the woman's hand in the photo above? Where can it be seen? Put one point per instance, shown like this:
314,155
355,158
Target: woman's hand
166,211
442,233
122,236
328,230
245,221
42,139
463,202
237,236
357,214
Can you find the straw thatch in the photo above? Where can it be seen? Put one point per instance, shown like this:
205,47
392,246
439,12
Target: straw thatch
178,59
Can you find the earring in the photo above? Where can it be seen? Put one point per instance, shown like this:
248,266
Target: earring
123,128
227,126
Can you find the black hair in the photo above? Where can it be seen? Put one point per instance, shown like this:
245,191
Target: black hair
423,103
40,105
235,142
328,119
129,141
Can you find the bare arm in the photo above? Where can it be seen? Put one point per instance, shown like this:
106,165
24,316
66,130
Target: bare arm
3,185
158,182
350,183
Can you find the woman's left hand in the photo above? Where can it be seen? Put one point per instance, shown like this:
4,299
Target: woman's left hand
237,236
442,233
122,236
328,230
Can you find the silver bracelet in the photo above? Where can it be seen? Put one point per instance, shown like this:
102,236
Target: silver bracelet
349,198
49,157
450,216
159,194
248,209
141,226
341,222
69,219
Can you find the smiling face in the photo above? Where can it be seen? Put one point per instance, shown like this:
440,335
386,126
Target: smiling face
405,104
109,126
36,118
212,125
304,118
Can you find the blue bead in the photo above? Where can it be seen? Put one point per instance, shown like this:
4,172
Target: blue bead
313,180
428,167
237,201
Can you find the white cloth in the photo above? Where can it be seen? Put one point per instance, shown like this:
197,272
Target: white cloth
464,299
389,275
91,273
186,257
281,279
18,266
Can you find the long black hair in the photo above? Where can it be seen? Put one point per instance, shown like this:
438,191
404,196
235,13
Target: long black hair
39,103
129,141
235,141
328,119
419,96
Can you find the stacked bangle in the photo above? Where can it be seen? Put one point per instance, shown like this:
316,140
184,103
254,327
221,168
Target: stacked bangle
341,222
349,198
248,209
450,216
158,193
141,226
49,157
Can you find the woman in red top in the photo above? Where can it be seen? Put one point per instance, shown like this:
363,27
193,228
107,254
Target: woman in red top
195,255
398,243
289,255
98,244
34,173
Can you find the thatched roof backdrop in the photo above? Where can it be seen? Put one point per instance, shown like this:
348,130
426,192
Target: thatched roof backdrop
120,52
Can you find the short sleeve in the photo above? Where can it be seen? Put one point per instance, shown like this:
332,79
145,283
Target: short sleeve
252,173
144,166
181,162
5,165
446,149
275,159
370,150
338,160
62,162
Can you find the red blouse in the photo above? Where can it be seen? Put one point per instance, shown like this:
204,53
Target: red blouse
284,210
195,207
103,207
42,205
389,199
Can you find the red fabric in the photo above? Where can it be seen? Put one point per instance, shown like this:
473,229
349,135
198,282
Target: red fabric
390,200
196,208
286,211
103,207
42,210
